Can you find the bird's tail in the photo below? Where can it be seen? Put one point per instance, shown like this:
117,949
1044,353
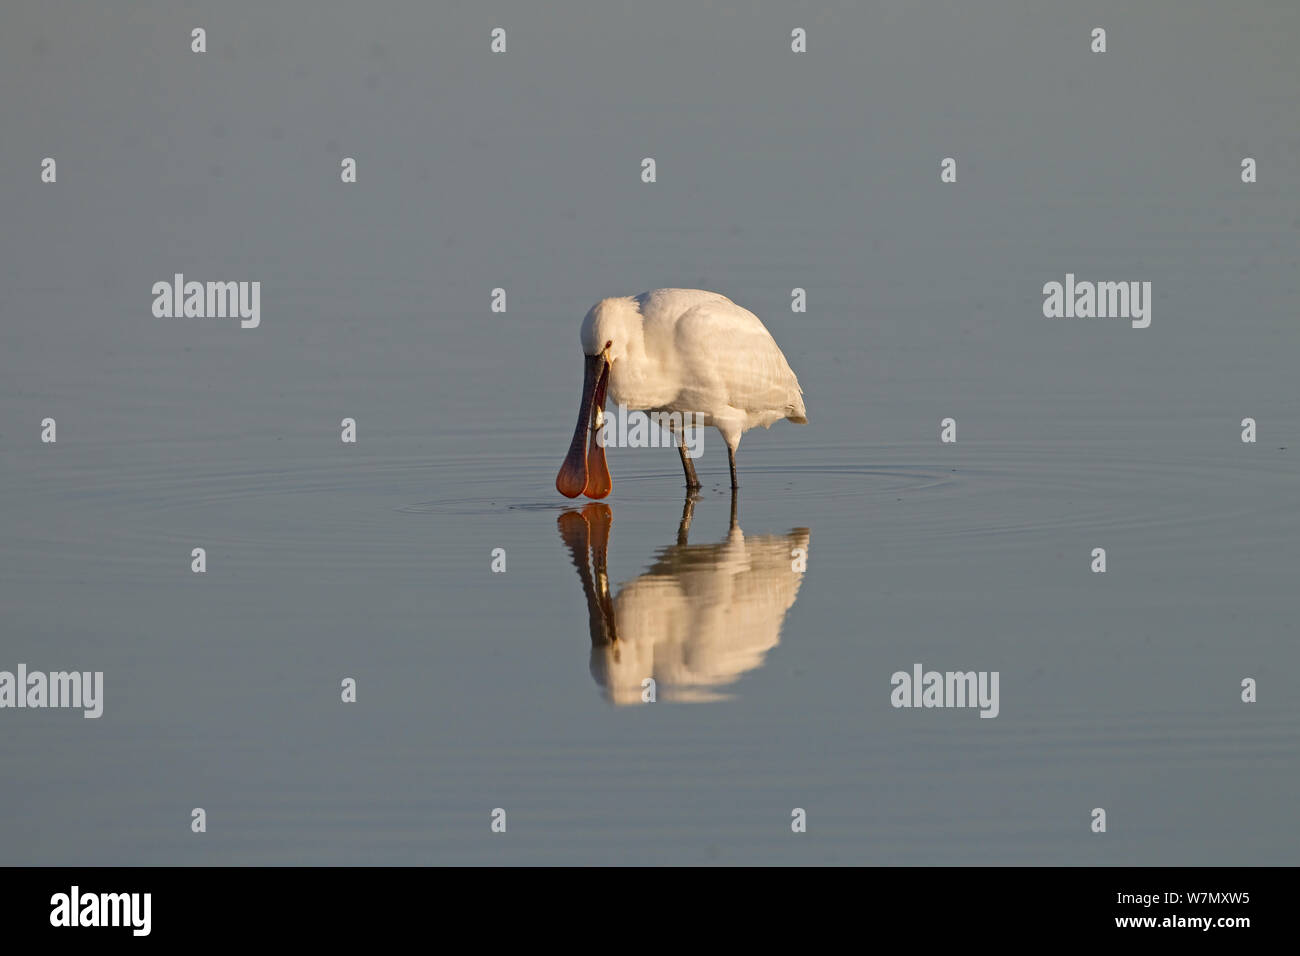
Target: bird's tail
795,411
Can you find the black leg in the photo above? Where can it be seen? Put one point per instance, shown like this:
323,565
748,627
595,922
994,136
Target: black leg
684,528
731,455
688,466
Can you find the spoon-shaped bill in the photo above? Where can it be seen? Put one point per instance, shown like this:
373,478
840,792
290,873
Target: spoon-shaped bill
572,479
599,483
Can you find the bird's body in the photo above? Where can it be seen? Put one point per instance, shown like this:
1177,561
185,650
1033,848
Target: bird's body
678,351
700,352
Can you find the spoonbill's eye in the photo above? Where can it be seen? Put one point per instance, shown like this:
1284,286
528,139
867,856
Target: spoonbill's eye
609,343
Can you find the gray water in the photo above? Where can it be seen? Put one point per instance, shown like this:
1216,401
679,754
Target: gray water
479,690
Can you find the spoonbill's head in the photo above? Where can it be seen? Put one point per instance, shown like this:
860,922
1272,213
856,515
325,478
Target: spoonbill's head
605,334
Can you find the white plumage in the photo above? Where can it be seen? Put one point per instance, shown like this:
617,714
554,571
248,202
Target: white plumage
685,351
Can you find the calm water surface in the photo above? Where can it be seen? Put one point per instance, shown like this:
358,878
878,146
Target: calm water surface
522,690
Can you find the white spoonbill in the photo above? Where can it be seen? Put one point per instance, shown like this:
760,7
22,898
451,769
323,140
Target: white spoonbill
676,350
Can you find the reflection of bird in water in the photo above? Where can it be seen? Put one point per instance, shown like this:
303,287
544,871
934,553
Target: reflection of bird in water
700,617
